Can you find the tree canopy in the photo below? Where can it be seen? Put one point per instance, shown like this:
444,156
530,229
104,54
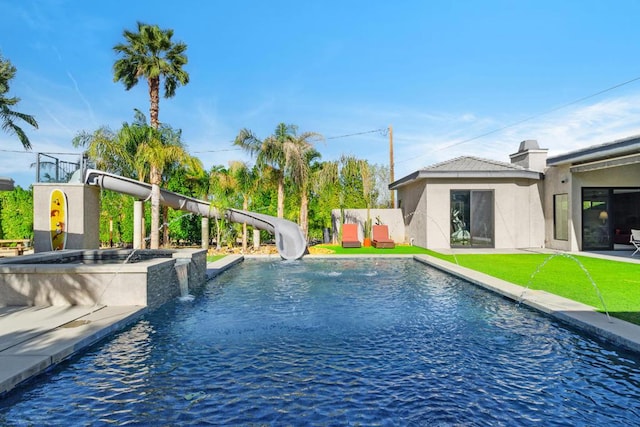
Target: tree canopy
287,178
152,54
8,116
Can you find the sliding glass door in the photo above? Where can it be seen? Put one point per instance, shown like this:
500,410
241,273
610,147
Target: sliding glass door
608,216
472,222
596,224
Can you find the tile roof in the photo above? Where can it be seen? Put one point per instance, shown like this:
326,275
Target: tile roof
468,167
471,164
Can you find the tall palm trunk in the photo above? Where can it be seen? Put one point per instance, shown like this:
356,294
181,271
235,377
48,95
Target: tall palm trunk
304,213
141,225
154,97
281,196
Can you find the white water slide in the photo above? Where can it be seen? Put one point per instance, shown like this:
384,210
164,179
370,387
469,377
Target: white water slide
290,241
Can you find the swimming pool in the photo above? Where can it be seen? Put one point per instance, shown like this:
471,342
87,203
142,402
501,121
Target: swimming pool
338,342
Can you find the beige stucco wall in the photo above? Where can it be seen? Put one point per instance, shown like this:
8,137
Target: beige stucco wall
83,216
518,214
558,180
412,200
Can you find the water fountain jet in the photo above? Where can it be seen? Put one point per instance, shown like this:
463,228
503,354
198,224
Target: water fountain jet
582,267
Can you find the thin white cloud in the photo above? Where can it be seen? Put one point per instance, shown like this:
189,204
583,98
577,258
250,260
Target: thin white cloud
583,126
82,97
421,143
55,120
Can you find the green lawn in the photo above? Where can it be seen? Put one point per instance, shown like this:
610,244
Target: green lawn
399,249
617,282
212,258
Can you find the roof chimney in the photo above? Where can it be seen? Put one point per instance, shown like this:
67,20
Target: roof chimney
530,156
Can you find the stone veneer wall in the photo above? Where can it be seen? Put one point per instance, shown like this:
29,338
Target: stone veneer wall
162,284
148,283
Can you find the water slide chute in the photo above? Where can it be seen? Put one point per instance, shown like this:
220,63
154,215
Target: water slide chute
290,241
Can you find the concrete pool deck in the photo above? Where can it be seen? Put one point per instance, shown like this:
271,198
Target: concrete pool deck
34,339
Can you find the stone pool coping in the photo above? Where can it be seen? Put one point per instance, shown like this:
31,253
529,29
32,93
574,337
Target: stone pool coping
578,315
33,339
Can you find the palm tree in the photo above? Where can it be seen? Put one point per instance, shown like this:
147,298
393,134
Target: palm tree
301,176
7,115
245,179
158,152
221,184
132,137
150,53
192,166
104,149
118,153
284,151
139,151
138,137
326,186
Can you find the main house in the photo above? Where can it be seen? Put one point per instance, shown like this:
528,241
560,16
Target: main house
587,199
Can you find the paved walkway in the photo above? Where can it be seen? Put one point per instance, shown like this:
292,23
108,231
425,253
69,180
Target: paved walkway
32,339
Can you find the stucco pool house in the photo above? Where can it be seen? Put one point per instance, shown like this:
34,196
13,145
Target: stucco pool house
588,199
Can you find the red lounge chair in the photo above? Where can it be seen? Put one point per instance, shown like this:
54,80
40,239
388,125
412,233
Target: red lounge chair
381,237
350,236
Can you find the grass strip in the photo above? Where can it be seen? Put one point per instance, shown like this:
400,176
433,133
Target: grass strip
578,278
370,250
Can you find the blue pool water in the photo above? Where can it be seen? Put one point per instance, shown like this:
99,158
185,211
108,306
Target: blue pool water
338,342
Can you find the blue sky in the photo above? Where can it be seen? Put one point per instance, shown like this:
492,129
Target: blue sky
439,72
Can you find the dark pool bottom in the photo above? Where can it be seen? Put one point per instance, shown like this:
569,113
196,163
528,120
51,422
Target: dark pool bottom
338,342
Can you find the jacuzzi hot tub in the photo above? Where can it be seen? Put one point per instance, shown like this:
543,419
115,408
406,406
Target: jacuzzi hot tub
98,277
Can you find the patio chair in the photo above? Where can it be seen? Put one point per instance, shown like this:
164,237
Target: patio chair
635,240
350,236
381,237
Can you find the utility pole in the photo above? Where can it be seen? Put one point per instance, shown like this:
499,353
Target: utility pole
391,177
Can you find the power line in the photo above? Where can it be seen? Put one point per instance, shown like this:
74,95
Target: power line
535,116
67,154
17,151
383,132
216,151
38,152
